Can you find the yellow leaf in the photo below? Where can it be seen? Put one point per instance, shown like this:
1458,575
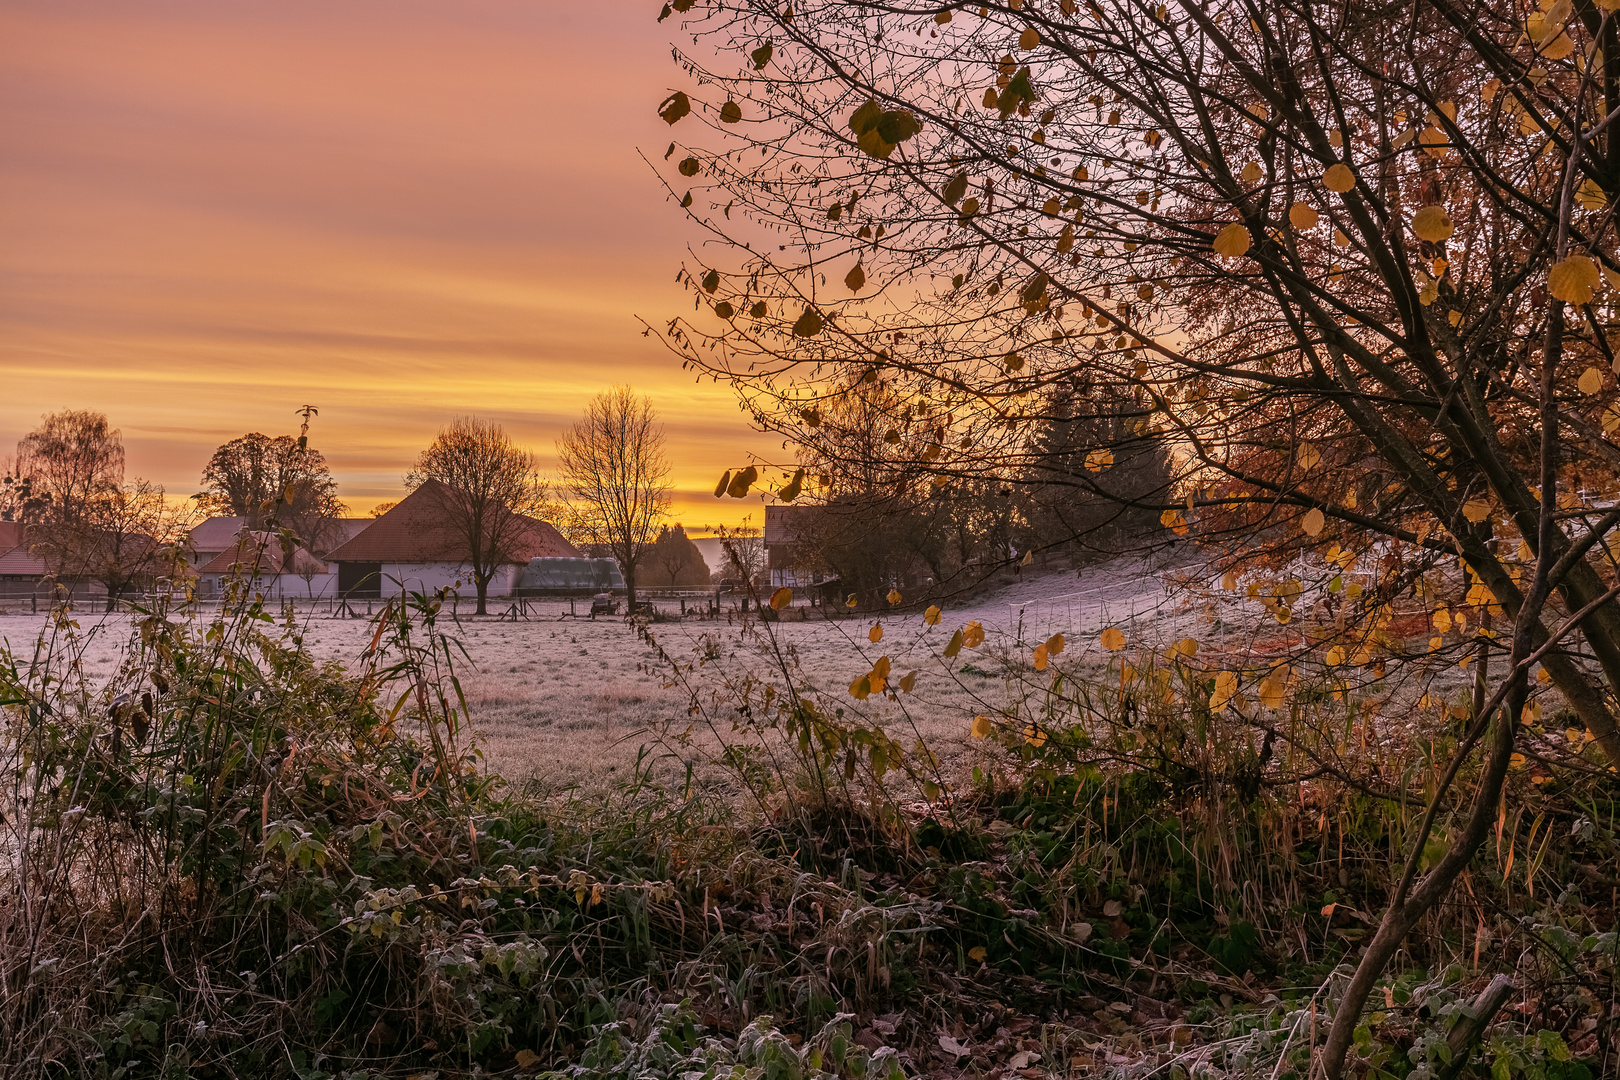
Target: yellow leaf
1441,619
1303,216
1030,38
741,481
1339,178
526,1058
1313,522
1432,224
1034,736
973,635
1516,761
1055,644
1040,657
792,488
1542,676
908,682
781,598
931,616
1029,557
894,596
1098,460
1335,656
982,726
1251,172
1476,510
725,482
1187,647
852,600
1590,195
1307,457
875,634
1232,241
1113,639
1573,280
1226,684
954,646
1591,381
1172,519
861,688
977,953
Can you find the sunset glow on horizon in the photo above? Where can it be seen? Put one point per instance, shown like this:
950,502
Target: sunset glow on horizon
211,215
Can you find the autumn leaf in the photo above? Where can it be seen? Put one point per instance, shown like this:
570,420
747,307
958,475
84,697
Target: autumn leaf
1303,216
741,482
981,726
1113,639
1432,224
1590,382
1573,280
730,112
855,279
931,616
894,596
1055,644
674,107
955,645
908,682
1476,510
973,635
875,634
1339,178
1313,521
781,598
725,482
689,166
793,487
1226,684
1040,657
1232,241
1099,459
955,188
809,324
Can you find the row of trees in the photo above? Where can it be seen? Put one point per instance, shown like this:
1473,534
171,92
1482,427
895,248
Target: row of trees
90,524
1355,263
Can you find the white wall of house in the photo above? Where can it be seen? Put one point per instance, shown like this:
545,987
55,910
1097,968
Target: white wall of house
399,578
274,586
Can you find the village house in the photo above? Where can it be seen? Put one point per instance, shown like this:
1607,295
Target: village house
268,568
415,548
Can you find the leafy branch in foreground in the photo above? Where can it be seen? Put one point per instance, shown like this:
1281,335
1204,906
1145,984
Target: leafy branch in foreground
1355,265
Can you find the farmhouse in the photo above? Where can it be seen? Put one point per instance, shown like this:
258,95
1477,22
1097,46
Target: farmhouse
21,571
268,568
415,547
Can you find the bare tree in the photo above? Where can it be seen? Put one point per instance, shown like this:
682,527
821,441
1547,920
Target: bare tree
744,549
126,538
615,469
486,485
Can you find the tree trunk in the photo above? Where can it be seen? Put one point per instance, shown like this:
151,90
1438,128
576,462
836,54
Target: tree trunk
483,593
629,588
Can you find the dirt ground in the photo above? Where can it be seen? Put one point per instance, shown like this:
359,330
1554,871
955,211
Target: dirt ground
562,700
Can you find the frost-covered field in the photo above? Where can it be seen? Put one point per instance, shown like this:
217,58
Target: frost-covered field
562,699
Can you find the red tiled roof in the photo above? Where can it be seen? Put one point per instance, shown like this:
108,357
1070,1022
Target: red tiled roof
216,533
261,553
20,562
416,530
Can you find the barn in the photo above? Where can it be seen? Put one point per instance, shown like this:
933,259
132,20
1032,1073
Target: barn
415,547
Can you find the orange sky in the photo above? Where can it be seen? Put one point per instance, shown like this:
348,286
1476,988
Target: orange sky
396,210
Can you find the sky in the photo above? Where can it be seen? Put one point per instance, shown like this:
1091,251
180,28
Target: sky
398,211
